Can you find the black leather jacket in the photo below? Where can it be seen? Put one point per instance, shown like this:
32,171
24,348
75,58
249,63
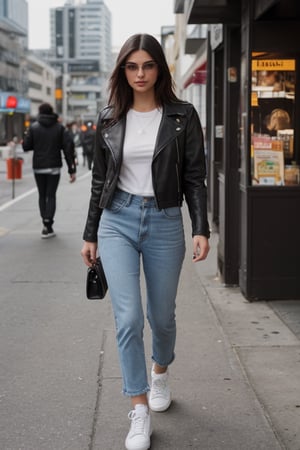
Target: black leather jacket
178,166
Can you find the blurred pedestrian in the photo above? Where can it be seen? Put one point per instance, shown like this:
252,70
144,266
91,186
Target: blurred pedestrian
47,138
74,151
76,136
149,157
88,143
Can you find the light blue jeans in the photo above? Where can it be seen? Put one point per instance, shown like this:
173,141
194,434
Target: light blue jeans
130,228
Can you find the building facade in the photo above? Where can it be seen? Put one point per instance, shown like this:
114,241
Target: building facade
81,51
41,83
14,104
251,60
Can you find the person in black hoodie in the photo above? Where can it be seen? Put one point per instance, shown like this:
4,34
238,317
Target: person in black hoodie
47,137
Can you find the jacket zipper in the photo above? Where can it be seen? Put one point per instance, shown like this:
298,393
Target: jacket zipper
177,173
108,181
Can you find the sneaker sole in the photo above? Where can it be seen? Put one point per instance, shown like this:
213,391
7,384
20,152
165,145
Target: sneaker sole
161,408
139,448
147,447
47,236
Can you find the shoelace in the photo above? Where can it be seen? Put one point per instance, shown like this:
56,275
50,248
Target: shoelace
159,387
137,422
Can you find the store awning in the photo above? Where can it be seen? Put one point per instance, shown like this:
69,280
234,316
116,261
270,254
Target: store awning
197,77
262,6
196,74
214,11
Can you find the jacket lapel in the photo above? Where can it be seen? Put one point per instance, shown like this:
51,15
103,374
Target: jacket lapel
172,124
114,137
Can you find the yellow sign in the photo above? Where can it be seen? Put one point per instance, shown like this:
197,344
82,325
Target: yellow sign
273,64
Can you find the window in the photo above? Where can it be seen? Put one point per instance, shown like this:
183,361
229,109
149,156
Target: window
273,121
34,85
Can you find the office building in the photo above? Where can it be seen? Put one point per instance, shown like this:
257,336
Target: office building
41,83
81,50
14,104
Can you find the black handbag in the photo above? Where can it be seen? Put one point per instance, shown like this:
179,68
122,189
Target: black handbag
96,284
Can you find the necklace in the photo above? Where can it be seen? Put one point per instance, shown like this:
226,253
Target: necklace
144,120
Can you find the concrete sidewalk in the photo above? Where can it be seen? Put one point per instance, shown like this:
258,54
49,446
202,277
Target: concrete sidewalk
235,380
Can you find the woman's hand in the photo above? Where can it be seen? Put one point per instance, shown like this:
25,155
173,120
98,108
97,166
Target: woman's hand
89,253
200,248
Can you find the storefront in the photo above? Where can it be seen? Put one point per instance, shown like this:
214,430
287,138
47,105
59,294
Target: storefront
253,108
270,153
14,110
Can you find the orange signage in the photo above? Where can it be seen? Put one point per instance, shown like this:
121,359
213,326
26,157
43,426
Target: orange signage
254,99
273,64
58,94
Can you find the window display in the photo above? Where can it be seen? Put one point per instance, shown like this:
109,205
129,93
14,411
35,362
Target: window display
272,121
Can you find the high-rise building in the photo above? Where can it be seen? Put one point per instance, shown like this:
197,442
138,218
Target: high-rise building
14,104
81,50
14,13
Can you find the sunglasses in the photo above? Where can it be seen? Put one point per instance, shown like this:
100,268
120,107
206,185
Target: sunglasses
146,67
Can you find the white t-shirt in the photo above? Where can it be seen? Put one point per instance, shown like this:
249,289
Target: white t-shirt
140,138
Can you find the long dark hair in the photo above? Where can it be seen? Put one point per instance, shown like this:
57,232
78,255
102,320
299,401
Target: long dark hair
121,94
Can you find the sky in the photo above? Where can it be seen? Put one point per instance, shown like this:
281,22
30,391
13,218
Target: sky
128,17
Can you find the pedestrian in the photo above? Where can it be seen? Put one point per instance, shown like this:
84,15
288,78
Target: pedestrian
47,137
69,127
149,156
76,136
88,143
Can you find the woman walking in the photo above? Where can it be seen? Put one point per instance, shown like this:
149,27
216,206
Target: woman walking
149,156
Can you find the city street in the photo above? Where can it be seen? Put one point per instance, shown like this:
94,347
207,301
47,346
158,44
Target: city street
235,380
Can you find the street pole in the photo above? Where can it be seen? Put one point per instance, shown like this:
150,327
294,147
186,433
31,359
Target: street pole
65,95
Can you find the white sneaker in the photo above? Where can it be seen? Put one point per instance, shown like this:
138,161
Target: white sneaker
160,394
140,431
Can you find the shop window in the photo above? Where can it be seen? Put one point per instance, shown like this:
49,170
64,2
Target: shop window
273,159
